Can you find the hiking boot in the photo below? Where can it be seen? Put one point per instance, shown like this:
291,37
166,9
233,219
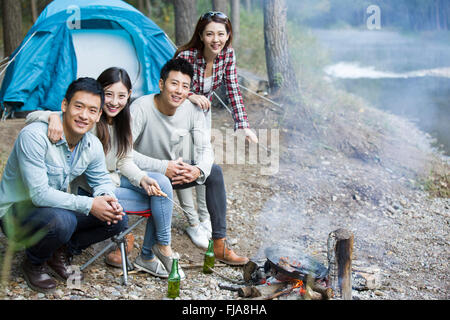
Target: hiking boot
226,255
37,277
114,258
198,236
60,266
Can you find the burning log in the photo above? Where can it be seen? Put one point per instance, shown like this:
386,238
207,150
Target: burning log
310,294
249,292
326,293
340,250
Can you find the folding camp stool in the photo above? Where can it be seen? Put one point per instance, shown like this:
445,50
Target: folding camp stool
121,242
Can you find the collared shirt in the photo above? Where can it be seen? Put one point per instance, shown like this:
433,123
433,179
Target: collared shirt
224,71
41,171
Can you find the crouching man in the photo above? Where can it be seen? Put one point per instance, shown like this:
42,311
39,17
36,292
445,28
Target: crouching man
34,189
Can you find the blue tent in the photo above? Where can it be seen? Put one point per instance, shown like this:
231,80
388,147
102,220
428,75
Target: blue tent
73,38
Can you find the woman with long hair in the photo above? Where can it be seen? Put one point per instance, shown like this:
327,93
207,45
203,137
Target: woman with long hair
212,56
137,191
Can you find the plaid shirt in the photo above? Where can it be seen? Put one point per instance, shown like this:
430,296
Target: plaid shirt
224,71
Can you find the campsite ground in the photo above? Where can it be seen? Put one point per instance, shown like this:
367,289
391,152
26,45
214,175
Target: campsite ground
355,168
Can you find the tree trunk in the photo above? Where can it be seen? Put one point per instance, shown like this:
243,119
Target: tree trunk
235,20
12,25
141,6
148,6
248,5
185,20
279,67
220,5
34,13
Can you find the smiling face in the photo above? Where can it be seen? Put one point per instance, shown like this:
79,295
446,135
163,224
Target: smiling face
116,98
174,91
80,114
214,38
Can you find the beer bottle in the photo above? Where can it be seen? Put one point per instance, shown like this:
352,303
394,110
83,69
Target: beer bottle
174,281
209,258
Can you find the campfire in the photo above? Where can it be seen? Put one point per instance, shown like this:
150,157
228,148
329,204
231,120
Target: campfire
291,274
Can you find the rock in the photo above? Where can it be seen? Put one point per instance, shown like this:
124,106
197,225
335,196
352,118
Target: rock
367,279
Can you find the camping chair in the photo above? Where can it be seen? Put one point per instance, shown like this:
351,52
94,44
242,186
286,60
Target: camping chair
121,243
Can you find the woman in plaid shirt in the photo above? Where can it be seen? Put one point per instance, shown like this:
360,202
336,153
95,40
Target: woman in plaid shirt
214,62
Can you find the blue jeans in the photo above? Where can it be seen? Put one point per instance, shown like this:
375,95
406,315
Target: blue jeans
136,199
62,227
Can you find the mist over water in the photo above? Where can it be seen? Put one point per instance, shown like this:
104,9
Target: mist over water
408,75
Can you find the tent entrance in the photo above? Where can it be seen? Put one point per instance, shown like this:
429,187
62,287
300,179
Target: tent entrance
99,49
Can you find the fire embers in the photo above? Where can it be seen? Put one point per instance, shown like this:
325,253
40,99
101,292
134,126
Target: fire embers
265,282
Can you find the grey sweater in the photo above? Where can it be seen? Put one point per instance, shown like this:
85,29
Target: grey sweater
159,138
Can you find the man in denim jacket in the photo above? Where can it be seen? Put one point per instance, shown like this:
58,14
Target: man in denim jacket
34,190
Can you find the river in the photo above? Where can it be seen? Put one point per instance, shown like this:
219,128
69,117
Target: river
407,75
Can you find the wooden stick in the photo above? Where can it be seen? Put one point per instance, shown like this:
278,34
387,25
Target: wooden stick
200,265
230,288
279,293
226,278
340,251
327,293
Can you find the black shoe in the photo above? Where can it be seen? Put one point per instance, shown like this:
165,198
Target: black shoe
37,277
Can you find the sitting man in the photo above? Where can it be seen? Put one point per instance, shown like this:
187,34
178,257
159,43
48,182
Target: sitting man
159,123
34,189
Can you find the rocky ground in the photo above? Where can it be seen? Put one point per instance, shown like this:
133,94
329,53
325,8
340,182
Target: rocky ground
362,170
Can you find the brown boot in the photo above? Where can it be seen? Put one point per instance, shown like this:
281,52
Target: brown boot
226,255
37,277
60,266
114,258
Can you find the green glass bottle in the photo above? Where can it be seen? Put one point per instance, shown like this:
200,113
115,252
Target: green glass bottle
174,281
209,258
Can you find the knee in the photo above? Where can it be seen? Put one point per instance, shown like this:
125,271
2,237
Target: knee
216,174
163,182
62,225
121,225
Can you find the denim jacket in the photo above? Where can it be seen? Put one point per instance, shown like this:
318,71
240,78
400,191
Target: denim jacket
41,171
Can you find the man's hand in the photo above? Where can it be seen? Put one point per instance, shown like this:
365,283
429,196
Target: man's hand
201,101
107,208
55,128
151,186
188,175
174,168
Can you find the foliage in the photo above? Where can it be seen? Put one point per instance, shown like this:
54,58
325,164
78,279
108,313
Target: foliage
19,237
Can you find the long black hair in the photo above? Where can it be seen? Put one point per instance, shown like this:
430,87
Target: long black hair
121,122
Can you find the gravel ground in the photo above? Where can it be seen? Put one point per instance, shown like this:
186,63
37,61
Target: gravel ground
372,188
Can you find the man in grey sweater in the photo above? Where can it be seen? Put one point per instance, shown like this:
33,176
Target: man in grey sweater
161,122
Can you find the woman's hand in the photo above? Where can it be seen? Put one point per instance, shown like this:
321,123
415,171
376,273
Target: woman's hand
55,128
250,135
201,101
151,186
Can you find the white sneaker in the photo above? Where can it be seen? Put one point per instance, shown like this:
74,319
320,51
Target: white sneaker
198,236
206,225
